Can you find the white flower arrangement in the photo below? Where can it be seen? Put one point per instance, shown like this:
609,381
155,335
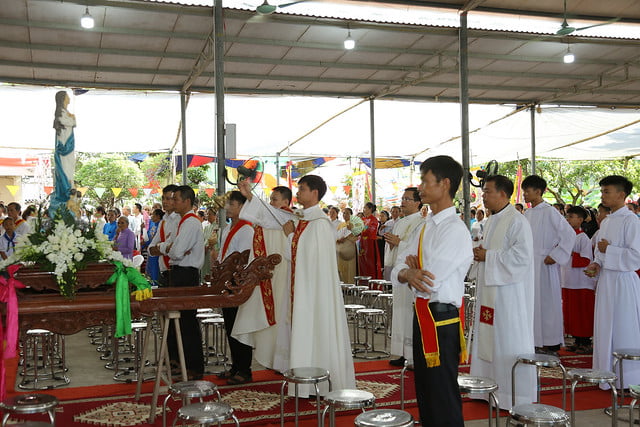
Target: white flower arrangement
63,248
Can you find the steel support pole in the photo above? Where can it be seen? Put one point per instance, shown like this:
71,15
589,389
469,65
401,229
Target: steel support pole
218,60
464,117
372,123
533,139
183,115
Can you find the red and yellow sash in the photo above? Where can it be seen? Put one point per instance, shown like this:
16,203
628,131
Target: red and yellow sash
302,224
19,222
232,232
163,238
260,249
428,326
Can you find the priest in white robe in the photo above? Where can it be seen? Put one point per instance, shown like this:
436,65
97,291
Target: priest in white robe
396,241
617,257
263,321
503,321
553,240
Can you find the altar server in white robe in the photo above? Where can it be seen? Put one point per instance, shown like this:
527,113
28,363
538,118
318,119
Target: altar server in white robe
503,321
553,240
396,241
434,265
263,321
166,232
319,334
616,259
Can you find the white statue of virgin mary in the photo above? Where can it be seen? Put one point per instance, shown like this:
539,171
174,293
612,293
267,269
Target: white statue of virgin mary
64,154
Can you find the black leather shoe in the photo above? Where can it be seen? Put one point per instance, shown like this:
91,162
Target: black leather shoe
397,362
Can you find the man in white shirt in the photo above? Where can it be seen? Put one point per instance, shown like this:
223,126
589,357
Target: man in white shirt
503,321
553,240
616,259
186,253
166,231
434,265
396,241
237,236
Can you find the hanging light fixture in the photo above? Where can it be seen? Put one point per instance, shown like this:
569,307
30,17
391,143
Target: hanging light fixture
568,57
87,20
349,42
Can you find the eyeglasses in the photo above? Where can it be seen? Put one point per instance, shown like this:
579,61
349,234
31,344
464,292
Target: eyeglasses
408,199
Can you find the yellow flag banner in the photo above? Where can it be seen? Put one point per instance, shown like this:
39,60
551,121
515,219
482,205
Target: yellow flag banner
13,189
116,191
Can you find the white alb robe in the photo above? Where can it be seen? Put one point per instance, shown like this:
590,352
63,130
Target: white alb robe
270,342
402,314
319,334
554,237
574,277
510,271
617,312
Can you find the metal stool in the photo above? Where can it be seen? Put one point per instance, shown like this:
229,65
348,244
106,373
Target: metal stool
539,361
206,413
352,318
29,404
362,281
537,414
380,285
130,373
594,376
347,399
635,394
43,359
347,289
619,356
214,327
303,376
406,367
357,293
33,424
471,385
368,297
384,418
187,390
369,318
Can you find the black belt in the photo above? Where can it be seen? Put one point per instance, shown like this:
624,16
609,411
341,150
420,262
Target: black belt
179,267
440,307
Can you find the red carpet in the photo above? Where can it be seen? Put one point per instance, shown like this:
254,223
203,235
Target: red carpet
258,402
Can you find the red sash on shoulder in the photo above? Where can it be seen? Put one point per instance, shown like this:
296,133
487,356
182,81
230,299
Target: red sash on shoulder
260,250
302,224
232,232
428,326
184,218
19,222
163,238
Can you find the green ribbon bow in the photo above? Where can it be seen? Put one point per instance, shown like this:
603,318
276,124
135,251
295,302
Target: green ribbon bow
122,277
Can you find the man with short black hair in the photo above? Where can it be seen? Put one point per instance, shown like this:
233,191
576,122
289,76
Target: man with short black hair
166,230
14,210
503,322
186,254
434,265
616,259
553,240
397,240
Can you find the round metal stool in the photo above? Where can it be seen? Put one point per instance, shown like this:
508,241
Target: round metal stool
537,414
362,281
206,413
472,385
384,418
407,366
187,390
619,356
306,375
357,293
634,390
594,376
347,292
29,404
130,373
539,361
215,341
347,399
32,424
43,360
352,318
381,285
369,318
368,297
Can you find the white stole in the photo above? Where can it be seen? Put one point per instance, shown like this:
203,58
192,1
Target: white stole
496,230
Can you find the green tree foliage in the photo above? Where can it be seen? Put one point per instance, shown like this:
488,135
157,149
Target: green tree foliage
157,168
108,171
576,182
197,175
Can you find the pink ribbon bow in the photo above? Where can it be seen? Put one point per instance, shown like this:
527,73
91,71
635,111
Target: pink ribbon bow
8,296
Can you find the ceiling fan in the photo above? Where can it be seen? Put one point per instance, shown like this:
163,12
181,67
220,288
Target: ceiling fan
267,9
565,29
